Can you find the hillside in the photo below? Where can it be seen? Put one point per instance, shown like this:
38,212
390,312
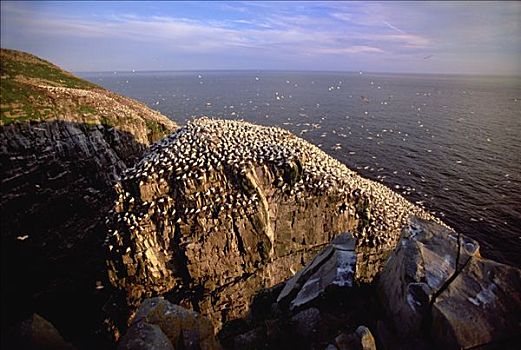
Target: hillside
33,89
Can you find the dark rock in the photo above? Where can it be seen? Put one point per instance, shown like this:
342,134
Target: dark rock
253,339
145,336
438,290
264,304
361,339
306,322
57,172
275,331
56,189
347,341
330,347
184,328
36,333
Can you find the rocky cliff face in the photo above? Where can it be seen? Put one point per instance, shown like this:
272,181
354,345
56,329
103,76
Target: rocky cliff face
434,292
220,209
57,170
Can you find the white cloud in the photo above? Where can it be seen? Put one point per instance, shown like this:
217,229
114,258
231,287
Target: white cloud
279,29
343,16
350,50
283,31
394,27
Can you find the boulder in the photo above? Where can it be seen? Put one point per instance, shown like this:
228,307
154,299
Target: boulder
334,266
481,306
36,333
427,256
145,336
366,338
360,339
253,339
437,284
157,320
306,322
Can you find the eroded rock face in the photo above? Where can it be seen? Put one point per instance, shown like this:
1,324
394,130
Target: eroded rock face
221,209
436,284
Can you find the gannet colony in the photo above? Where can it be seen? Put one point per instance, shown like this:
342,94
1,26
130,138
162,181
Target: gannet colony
207,145
210,191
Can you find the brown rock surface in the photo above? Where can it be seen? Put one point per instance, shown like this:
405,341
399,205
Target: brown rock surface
221,209
184,329
329,318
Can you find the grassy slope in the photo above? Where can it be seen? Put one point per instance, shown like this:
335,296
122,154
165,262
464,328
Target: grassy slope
26,94
19,73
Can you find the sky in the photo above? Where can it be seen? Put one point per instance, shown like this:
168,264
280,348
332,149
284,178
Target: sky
411,37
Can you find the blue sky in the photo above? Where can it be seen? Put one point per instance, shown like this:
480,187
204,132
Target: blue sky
415,37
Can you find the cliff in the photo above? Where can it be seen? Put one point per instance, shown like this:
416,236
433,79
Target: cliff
434,292
63,142
220,209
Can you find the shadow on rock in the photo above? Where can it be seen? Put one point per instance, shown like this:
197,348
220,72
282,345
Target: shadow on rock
56,189
318,304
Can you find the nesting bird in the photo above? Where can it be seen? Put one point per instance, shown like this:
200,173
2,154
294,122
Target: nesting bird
191,161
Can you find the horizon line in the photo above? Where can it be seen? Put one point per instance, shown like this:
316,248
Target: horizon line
358,72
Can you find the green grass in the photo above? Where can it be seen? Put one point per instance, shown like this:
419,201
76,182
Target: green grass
84,109
22,98
155,127
155,130
106,121
43,71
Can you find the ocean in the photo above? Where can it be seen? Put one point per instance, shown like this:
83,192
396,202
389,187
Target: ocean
449,143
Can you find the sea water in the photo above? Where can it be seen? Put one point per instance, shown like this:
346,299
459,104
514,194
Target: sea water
449,143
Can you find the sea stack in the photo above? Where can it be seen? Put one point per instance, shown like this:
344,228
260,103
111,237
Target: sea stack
220,209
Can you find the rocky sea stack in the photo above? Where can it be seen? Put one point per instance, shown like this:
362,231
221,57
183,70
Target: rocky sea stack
221,209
